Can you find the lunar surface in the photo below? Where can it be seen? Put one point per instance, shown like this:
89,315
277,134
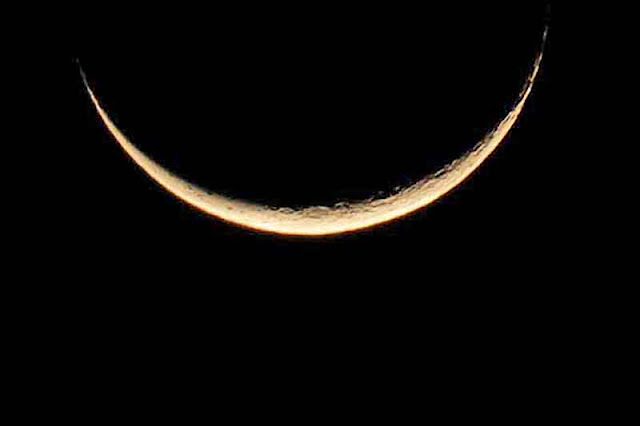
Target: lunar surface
341,217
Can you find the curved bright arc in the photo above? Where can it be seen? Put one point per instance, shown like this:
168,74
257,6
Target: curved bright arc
343,217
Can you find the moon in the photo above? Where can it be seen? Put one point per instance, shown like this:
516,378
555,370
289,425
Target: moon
342,217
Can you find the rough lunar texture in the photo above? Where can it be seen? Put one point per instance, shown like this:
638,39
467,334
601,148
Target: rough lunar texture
342,217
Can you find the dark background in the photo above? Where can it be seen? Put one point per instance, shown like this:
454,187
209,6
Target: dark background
316,105
289,107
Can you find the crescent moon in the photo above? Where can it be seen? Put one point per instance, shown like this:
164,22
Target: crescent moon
342,217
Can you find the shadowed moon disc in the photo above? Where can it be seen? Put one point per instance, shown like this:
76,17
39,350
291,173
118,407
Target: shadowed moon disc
326,219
